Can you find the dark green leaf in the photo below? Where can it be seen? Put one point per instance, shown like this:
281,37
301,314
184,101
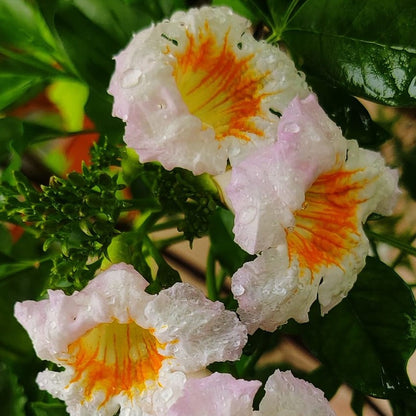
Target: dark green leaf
368,48
368,338
12,395
115,17
349,114
323,378
357,403
157,9
49,409
249,9
90,48
228,253
409,171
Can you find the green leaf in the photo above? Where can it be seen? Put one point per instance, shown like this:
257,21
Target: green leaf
349,114
13,87
23,284
12,395
357,403
408,171
367,48
90,48
368,338
244,8
115,17
157,9
324,379
21,25
49,409
228,253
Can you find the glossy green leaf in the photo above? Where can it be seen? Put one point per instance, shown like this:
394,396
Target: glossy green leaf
367,48
349,114
368,338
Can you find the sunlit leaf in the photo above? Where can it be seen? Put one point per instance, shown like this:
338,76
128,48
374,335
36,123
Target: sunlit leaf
368,49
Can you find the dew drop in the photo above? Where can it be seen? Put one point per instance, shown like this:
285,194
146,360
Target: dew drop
238,290
248,215
131,77
291,128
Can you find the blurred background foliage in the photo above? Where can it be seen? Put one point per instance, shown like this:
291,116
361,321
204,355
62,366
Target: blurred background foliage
74,199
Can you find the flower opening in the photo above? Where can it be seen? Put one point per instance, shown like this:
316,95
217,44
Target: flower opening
326,229
198,91
115,358
308,196
221,89
124,349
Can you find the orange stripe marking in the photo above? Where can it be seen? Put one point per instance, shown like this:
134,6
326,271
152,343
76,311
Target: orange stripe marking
115,358
219,88
327,227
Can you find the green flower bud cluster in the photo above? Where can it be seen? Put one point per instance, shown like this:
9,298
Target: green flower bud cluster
75,217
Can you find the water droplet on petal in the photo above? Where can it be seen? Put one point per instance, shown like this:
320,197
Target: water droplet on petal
248,215
238,290
131,77
291,128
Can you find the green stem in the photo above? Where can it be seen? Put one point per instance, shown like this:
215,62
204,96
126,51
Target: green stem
155,253
402,254
167,225
162,244
220,280
373,245
251,362
211,278
392,241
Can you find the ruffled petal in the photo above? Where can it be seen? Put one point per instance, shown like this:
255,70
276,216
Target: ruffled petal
308,195
269,185
197,331
198,90
270,291
217,394
288,395
115,356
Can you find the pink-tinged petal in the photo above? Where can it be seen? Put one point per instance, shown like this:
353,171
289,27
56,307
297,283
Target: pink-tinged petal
196,330
270,184
287,395
56,322
112,355
308,195
217,394
196,90
270,291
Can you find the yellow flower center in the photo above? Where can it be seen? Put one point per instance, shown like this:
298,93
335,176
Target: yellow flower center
222,90
115,358
327,227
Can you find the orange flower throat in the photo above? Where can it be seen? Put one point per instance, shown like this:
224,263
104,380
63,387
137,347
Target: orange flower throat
219,88
326,228
115,358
